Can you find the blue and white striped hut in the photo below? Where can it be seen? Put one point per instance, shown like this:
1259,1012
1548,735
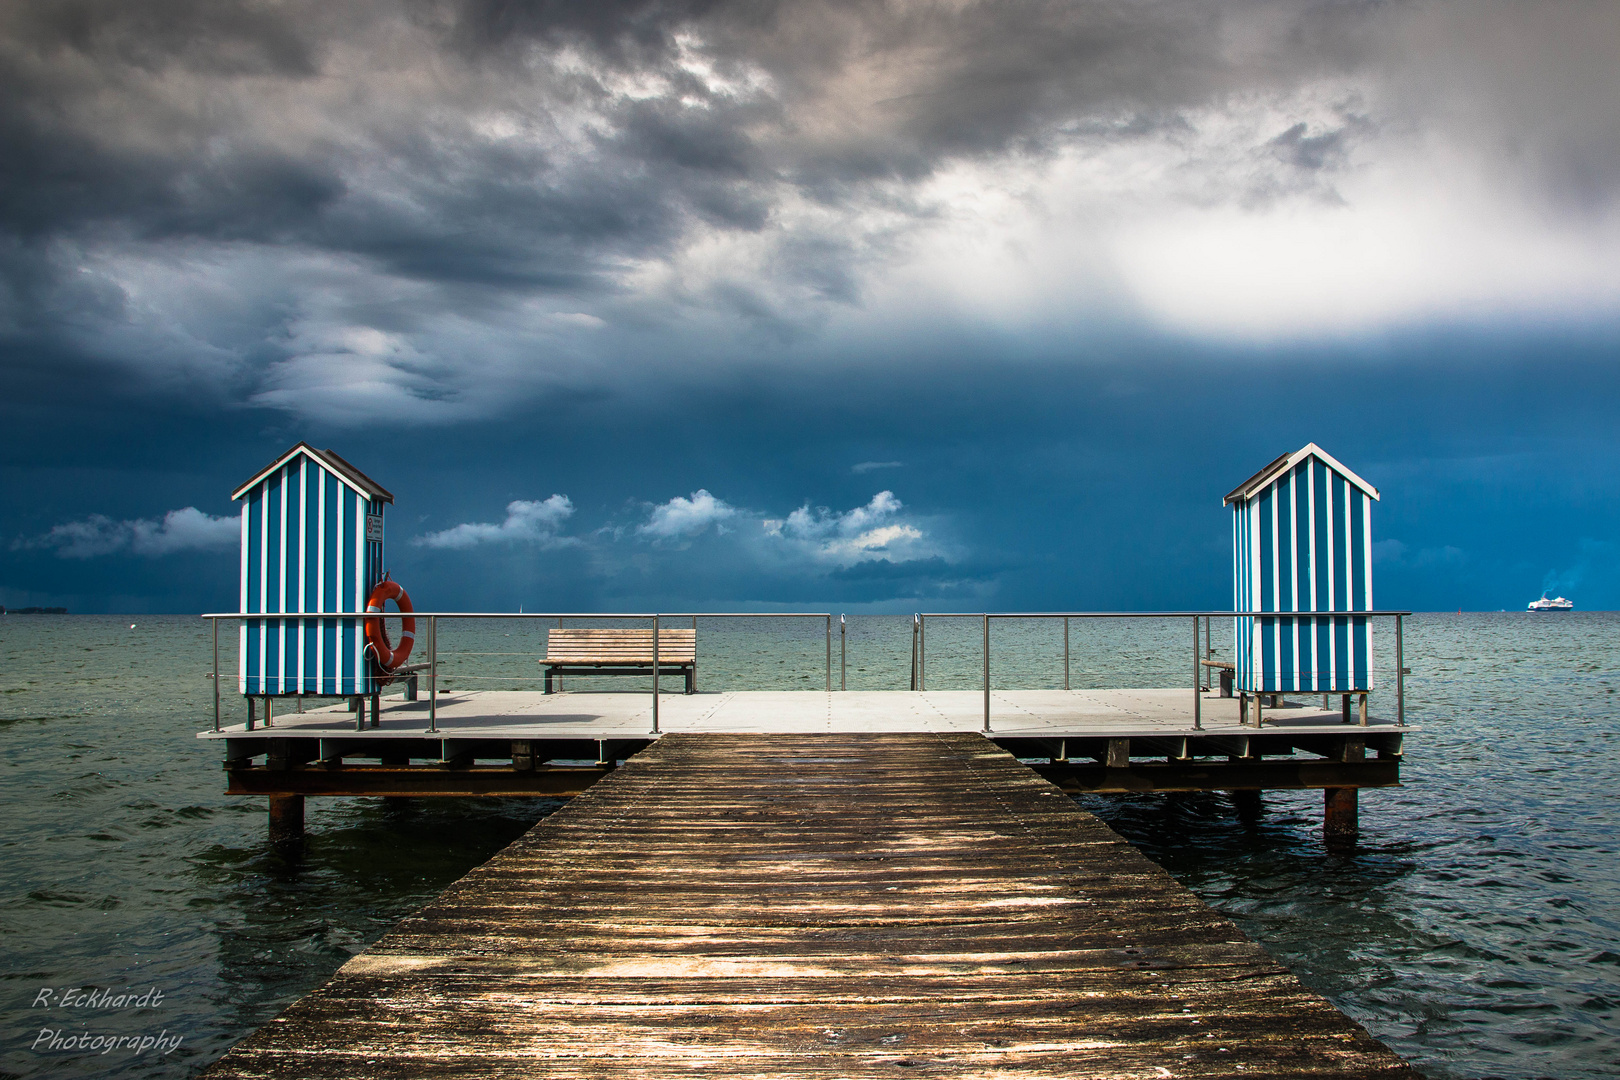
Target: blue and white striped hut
1302,542
312,544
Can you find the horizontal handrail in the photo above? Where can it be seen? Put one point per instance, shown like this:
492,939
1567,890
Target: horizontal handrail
919,622
433,618
520,614
794,614
1150,614
920,625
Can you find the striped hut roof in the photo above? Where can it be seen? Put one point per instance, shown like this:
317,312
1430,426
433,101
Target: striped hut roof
327,459
1260,480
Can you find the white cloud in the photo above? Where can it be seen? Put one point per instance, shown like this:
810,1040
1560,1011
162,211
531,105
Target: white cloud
686,517
527,521
864,533
822,522
731,551
869,466
187,529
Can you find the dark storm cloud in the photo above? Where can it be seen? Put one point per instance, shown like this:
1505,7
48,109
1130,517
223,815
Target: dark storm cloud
355,128
153,35
440,210
195,138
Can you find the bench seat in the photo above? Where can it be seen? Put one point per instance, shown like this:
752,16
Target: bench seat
616,651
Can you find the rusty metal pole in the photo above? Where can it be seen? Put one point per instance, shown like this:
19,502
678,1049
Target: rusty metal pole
286,818
1340,816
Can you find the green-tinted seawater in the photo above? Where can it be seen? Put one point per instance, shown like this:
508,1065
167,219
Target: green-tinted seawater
1477,929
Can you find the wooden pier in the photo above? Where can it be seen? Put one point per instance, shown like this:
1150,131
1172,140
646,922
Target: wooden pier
833,904
517,743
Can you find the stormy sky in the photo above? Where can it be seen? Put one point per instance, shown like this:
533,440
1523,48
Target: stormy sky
847,305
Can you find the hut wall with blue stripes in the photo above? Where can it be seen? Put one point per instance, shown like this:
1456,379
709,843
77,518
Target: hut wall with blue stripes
1303,543
305,551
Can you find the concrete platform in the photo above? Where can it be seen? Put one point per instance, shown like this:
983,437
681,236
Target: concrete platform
1127,713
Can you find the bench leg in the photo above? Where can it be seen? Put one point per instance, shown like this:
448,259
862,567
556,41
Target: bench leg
549,672
691,679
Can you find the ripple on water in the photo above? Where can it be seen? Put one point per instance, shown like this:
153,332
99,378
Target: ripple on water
1474,930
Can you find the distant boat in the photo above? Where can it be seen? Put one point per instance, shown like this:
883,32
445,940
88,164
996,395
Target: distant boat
1556,604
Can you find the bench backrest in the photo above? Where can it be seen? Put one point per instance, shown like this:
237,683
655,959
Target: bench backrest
616,646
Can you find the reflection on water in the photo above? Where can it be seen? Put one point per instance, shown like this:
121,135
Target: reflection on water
1475,929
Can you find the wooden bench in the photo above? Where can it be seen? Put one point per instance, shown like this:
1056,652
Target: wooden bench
620,652
1227,672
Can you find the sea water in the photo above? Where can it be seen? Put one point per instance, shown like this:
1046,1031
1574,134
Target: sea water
145,924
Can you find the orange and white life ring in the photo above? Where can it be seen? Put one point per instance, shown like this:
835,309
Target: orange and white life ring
389,658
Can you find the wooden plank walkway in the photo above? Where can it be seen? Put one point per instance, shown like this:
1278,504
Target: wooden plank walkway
843,905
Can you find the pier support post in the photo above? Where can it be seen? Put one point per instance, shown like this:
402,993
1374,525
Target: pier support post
1340,824
1119,754
523,755
286,818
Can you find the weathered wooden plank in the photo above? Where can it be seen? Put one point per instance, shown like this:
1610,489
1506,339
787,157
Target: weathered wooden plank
835,905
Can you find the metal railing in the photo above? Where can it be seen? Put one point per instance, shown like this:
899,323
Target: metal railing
433,618
1201,649
919,652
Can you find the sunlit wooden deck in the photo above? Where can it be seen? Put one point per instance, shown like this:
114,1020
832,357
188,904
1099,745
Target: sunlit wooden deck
830,904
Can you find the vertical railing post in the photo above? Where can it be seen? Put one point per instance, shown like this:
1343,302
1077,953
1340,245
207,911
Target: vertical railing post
216,673
1203,683
1198,667
433,673
1065,652
829,652
1400,674
655,674
922,652
843,653
914,621
987,671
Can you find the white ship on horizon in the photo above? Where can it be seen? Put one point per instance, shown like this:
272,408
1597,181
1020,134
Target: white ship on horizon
1558,603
